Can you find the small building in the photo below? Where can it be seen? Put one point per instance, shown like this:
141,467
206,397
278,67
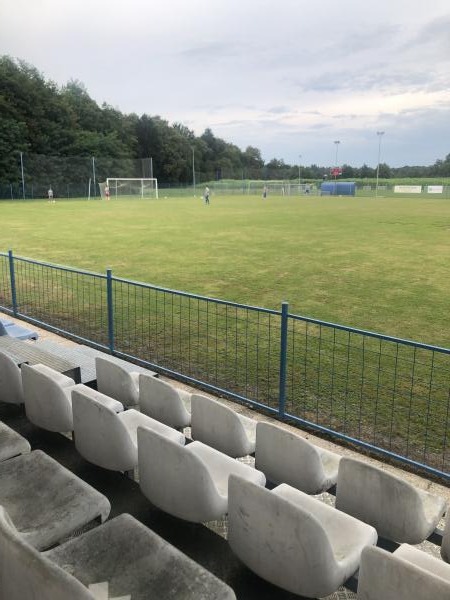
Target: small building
338,188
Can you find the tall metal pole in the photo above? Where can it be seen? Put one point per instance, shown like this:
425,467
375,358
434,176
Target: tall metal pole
23,179
193,168
380,135
283,358
93,173
336,142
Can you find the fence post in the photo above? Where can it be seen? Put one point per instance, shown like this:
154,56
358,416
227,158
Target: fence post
109,297
12,277
283,358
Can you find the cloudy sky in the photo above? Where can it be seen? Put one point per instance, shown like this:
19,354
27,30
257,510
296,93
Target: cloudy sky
287,76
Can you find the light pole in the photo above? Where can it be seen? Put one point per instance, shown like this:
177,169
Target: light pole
193,168
336,142
380,135
299,171
23,179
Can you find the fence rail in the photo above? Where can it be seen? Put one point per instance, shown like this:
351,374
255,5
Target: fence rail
389,395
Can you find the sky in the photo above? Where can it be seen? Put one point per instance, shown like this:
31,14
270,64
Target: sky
286,76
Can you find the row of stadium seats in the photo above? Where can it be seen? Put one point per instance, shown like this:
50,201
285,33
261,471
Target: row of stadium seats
303,545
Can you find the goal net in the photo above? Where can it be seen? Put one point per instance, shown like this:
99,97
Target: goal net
140,188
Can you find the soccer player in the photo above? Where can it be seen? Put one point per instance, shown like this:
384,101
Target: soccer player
107,193
206,195
50,195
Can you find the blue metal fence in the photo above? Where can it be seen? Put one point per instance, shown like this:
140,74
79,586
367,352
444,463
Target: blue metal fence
386,394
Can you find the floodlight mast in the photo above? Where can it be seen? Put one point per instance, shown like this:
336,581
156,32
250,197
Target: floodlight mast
23,179
336,143
193,168
380,135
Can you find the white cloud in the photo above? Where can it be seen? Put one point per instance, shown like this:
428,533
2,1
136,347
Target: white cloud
286,76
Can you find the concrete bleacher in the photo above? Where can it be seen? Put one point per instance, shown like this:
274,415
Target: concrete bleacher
205,543
85,356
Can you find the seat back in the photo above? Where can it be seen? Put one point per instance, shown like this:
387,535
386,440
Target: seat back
218,426
11,390
285,457
161,401
115,381
26,574
277,539
100,436
390,504
11,443
172,478
46,403
386,576
445,548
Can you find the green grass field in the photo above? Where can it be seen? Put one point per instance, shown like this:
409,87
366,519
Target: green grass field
378,264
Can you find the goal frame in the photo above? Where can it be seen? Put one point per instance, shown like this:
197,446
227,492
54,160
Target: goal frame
112,182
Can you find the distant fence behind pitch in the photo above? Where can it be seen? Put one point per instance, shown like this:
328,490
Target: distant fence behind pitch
31,175
388,395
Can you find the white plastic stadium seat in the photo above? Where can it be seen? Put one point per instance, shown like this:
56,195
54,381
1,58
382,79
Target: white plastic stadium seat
398,510
11,443
222,428
121,559
445,548
46,501
406,574
10,380
164,402
48,397
294,540
17,331
285,457
108,439
116,382
189,482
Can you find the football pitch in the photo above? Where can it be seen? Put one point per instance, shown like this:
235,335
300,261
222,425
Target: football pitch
377,264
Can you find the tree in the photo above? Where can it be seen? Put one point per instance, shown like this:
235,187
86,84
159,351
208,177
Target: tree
348,172
384,171
366,172
12,140
51,125
252,158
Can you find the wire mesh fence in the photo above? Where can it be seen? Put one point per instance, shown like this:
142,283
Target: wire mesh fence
65,299
32,175
226,345
392,394
388,394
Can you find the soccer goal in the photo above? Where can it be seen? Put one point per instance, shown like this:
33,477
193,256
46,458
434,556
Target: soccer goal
141,188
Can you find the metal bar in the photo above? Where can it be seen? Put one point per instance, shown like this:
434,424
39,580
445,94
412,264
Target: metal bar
283,358
196,296
12,276
367,333
56,266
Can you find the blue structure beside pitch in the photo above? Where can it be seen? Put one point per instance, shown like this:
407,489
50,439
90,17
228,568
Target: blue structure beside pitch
338,188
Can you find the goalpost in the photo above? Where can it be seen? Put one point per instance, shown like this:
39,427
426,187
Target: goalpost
144,187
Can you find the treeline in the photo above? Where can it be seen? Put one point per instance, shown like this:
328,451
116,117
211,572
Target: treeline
37,117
